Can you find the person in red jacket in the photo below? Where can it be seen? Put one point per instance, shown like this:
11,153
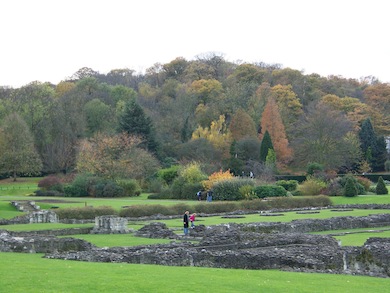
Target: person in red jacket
192,220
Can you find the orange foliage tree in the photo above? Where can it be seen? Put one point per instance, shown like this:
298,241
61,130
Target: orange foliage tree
215,177
272,122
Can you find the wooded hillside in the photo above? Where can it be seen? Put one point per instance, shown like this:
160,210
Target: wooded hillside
206,110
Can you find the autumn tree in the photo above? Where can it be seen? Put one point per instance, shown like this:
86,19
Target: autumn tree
378,97
115,157
272,122
242,125
290,108
218,134
18,154
321,136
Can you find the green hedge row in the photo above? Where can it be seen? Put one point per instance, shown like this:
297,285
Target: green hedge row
202,207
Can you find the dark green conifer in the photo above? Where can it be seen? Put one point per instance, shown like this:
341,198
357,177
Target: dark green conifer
381,187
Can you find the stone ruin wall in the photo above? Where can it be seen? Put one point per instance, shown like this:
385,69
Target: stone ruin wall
248,246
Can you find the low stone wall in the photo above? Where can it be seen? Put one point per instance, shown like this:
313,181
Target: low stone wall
40,244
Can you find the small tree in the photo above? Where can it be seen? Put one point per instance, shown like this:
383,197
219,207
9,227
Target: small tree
381,187
350,189
266,144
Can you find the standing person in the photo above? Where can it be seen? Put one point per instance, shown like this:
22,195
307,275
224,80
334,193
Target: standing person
210,195
192,220
185,222
199,194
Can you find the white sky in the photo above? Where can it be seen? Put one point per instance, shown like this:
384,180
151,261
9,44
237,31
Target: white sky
49,40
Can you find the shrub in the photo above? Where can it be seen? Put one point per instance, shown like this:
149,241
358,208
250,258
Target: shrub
381,187
365,182
350,189
334,187
359,187
181,189
155,185
79,186
165,193
49,181
168,174
192,173
48,193
130,187
289,185
312,186
264,191
247,192
111,189
230,189
313,168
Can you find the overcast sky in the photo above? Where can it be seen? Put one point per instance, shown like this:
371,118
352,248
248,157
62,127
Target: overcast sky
49,40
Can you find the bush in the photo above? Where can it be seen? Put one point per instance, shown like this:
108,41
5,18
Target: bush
130,187
334,187
155,185
49,181
289,185
247,192
350,189
181,189
264,191
381,187
313,168
168,174
365,182
312,186
79,187
230,189
48,193
359,187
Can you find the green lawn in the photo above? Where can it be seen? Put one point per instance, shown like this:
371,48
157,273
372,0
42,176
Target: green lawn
31,273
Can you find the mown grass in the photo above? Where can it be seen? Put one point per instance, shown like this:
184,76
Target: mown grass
32,273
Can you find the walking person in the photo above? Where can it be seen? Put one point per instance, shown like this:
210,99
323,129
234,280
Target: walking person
192,220
185,222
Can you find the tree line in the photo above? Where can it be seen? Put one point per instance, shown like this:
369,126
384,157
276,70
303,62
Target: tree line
224,115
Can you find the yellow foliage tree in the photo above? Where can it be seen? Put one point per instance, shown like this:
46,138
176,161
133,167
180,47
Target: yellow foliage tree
218,134
215,177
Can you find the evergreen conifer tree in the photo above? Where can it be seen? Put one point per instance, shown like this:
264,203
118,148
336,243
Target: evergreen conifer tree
350,189
381,187
266,144
133,120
